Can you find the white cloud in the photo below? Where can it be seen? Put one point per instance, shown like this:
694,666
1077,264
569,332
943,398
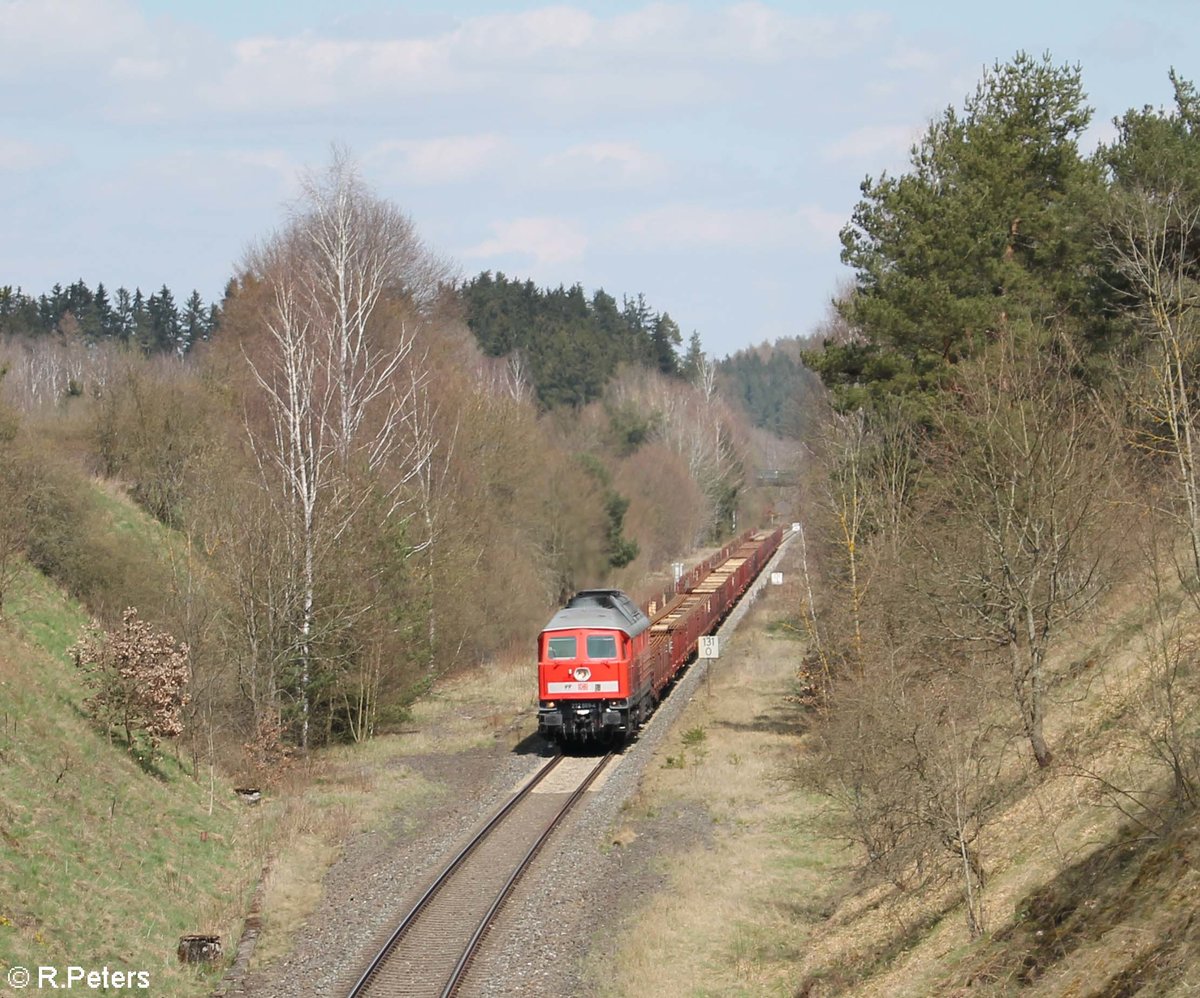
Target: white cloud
547,239
444,160
605,164
659,54
691,225
909,58
207,176
872,143
266,74
58,35
140,70
523,35
19,156
648,25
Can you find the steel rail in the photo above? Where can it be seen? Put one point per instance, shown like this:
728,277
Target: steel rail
442,878
487,920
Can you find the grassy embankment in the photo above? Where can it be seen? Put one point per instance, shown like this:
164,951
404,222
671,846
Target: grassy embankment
104,861
740,904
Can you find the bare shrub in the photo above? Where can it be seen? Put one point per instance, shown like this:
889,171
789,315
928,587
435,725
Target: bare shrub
13,490
267,757
1155,705
666,510
153,420
139,677
1151,240
697,426
912,770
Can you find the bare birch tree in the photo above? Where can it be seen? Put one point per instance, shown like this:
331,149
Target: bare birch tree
336,377
431,464
696,425
871,473
846,496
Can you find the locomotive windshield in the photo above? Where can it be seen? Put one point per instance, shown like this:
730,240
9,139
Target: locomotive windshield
602,646
563,647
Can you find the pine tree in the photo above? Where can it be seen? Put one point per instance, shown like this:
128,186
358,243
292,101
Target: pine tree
193,324
165,334
693,362
994,224
123,314
102,313
666,337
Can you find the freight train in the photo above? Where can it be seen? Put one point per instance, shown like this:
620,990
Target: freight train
604,662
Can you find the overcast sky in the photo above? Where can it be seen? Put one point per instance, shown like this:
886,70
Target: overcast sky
703,153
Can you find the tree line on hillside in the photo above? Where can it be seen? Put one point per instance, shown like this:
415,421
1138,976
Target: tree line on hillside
1013,379
154,323
353,498
774,385
568,345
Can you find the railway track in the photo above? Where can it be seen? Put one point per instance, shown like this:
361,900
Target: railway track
432,948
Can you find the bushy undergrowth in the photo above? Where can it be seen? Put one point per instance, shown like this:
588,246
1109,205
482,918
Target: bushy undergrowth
94,546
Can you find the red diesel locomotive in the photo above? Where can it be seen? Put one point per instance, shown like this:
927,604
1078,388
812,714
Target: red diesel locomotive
603,664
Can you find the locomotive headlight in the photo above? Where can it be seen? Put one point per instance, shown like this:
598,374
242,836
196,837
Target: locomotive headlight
582,674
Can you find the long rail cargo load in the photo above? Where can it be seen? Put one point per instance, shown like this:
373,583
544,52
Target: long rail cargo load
604,662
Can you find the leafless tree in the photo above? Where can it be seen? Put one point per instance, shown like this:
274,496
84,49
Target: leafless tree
913,771
1024,470
47,369
1152,708
432,457
870,474
847,497
1152,239
696,425
13,521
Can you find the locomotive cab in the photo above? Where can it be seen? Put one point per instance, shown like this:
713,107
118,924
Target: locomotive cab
587,669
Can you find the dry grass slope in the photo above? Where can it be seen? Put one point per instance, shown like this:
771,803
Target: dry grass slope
1081,901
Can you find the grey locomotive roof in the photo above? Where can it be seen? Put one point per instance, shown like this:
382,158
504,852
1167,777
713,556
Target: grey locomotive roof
600,608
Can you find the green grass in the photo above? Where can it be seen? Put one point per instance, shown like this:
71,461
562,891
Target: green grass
100,864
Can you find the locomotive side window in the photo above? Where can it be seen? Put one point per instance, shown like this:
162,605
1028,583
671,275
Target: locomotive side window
602,646
562,647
